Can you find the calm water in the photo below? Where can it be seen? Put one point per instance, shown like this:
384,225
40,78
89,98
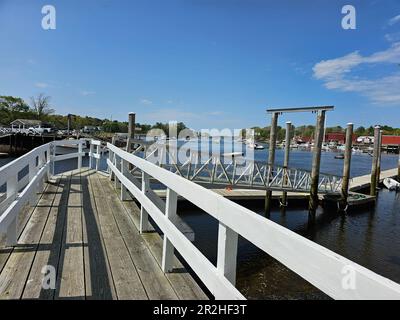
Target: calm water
368,236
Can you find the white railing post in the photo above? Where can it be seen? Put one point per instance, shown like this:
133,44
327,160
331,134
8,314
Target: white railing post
48,160
91,151
80,150
41,163
117,164
54,160
144,216
124,170
111,158
227,252
98,157
32,172
12,233
12,192
168,248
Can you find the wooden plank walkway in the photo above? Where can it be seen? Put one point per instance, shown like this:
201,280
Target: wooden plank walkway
81,228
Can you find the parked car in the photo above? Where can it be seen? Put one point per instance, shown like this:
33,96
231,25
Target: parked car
40,129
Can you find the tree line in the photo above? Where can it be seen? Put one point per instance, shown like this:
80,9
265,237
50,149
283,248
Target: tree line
307,131
39,108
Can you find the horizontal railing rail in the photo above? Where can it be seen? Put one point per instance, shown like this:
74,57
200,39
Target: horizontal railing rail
323,268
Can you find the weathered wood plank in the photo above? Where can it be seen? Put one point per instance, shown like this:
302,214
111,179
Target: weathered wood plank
14,275
126,279
98,277
183,283
70,280
50,244
154,280
23,219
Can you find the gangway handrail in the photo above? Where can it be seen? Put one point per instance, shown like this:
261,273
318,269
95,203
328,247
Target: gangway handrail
325,269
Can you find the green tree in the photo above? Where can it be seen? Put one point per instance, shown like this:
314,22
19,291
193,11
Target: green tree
12,108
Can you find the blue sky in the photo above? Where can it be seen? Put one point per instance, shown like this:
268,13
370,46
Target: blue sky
211,64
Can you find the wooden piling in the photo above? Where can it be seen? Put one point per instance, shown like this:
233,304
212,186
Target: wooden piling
398,167
374,170
69,123
131,131
346,167
271,160
319,137
378,170
286,159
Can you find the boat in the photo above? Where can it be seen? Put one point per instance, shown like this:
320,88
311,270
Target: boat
339,156
391,184
255,146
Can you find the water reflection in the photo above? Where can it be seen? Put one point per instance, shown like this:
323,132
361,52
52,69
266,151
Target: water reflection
368,236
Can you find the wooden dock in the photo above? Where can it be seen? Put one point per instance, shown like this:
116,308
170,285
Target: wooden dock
355,198
81,228
363,182
70,236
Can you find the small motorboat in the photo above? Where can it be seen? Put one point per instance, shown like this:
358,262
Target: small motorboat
339,156
391,184
255,146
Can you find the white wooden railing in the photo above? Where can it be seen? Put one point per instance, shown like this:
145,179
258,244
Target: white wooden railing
333,274
39,163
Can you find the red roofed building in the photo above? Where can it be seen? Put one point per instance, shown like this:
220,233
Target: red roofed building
390,140
338,137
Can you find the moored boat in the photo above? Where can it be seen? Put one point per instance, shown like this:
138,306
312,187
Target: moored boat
391,184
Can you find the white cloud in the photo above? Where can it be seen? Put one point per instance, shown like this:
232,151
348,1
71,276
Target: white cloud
339,74
87,93
394,20
146,102
392,37
41,85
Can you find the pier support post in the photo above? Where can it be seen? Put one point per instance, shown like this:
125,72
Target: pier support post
316,164
398,167
271,161
131,131
69,123
168,249
374,170
346,167
286,160
378,170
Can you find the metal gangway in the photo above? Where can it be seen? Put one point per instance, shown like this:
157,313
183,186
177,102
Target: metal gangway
232,169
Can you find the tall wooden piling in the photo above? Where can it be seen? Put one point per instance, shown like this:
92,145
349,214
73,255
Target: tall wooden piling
131,132
69,124
378,170
374,170
271,160
346,166
286,159
398,167
316,164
